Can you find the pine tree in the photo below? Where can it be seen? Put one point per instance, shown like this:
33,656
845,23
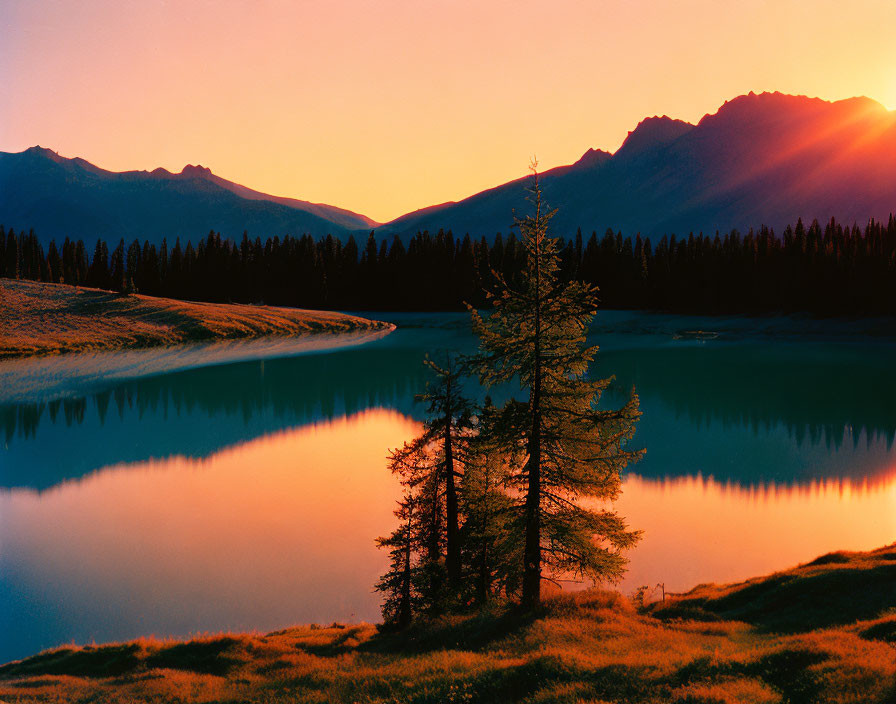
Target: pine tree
423,509
429,467
446,431
54,262
398,583
118,282
132,267
98,274
492,556
80,263
571,449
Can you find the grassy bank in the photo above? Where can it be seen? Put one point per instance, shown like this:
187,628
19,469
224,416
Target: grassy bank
38,318
821,632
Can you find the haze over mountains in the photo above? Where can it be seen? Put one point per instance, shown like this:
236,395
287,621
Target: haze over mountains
760,159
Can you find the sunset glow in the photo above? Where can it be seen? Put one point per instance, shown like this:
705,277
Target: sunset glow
700,530
215,530
447,350
384,107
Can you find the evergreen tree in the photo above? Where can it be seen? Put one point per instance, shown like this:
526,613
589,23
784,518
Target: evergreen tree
492,558
118,268
54,262
446,430
831,270
420,473
398,583
80,267
98,274
132,267
429,467
570,448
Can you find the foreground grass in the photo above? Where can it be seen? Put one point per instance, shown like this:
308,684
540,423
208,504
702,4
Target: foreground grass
714,645
38,318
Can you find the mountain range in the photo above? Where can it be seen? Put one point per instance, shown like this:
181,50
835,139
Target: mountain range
61,197
763,159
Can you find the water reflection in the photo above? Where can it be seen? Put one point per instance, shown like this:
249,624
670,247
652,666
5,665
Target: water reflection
199,411
247,495
279,530
819,392
745,412
271,532
699,530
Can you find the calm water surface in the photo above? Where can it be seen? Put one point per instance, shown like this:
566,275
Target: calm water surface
246,495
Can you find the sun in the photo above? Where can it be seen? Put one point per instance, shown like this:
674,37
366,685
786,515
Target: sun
889,97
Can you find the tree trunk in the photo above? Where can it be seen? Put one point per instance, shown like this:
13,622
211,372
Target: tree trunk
404,607
483,588
532,554
532,550
452,557
432,540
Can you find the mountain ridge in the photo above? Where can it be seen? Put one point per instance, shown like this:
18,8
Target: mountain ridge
759,159
63,197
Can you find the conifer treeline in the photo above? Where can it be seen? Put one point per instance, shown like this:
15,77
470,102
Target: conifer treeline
825,269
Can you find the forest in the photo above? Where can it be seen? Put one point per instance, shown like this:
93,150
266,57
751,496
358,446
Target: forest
830,269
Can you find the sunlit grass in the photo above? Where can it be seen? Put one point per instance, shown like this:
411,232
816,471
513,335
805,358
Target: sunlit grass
592,646
38,318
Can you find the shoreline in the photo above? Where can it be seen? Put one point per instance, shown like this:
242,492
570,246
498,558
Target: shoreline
43,378
823,631
48,320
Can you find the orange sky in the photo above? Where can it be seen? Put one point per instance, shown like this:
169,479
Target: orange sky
384,106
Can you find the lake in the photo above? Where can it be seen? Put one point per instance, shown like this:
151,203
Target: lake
217,488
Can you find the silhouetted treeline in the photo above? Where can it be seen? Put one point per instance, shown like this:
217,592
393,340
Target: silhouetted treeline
823,269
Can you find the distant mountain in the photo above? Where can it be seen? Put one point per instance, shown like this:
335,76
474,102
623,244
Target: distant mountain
761,159
62,197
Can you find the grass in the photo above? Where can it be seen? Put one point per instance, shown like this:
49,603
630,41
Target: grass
715,645
37,318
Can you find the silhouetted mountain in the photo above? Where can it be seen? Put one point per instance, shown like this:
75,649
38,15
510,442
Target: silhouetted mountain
761,159
61,197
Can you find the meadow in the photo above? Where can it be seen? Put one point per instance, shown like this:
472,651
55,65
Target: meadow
41,318
822,632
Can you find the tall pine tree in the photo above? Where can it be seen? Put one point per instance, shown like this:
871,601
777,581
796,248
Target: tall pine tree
570,449
430,468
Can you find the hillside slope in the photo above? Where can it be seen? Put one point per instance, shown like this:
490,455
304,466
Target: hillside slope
38,318
594,646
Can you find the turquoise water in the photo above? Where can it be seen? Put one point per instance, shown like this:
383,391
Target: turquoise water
246,495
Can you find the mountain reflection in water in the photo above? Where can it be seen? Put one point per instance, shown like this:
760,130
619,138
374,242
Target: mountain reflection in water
248,495
279,530
748,412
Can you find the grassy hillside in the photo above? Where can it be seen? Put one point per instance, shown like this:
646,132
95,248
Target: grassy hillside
38,318
822,632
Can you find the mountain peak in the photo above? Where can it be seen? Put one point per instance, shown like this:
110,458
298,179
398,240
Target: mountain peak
197,171
593,157
38,150
653,132
775,106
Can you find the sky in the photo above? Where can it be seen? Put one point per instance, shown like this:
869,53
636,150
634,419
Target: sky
386,106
